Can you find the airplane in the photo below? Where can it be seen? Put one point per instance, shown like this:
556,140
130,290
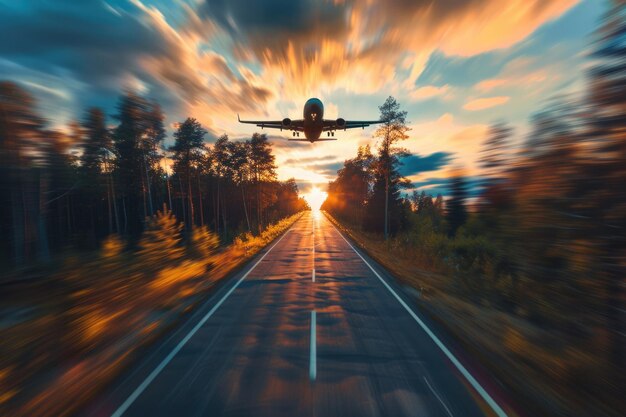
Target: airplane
313,123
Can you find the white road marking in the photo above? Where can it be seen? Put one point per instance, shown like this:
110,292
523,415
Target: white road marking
313,350
141,388
313,250
473,382
438,397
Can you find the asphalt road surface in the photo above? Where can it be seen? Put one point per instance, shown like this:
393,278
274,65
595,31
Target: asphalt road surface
310,327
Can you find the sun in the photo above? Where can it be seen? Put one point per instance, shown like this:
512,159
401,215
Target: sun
315,198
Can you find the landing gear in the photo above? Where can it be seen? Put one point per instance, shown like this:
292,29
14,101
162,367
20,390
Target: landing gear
293,133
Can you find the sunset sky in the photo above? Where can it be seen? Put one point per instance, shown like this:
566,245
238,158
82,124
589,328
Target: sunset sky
454,65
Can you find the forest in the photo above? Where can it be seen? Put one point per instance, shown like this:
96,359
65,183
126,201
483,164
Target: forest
529,268
110,237
70,190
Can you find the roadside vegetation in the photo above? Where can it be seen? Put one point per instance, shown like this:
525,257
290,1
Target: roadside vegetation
72,333
525,266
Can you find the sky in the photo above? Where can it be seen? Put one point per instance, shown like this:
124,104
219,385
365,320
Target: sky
454,65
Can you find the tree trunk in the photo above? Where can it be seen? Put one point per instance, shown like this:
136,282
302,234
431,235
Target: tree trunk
125,215
169,190
44,249
18,226
217,207
200,201
151,209
386,206
182,200
143,195
109,207
190,197
113,196
245,210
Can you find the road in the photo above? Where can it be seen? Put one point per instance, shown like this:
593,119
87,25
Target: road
310,328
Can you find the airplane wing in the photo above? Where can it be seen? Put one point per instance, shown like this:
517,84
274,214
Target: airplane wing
297,125
308,140
348,124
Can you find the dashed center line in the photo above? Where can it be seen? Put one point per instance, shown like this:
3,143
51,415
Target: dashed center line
313,350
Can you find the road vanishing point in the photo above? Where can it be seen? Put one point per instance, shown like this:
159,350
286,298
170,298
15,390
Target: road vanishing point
310,327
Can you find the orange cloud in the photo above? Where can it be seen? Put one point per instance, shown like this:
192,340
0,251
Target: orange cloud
358,45
485,103
428,91
488,85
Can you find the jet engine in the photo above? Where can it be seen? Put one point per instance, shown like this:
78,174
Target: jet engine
340,123
286,122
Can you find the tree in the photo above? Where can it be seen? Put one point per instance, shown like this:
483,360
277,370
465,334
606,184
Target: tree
220,154
262,171
94,161
161,240
387,178
20,129
96,143
188,156
153,136
239,163
495,153
607,125
348,194
129,161
457,211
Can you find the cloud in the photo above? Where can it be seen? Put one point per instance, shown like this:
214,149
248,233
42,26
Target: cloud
488,85
306,46
311,160
211,59
441,185
485,103
414,164
429,91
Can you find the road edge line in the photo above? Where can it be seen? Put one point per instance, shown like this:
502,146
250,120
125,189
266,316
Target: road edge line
459,366
148,380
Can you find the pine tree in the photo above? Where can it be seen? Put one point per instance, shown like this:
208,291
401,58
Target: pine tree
129,161
262,171
20,129
495,156
387,178
607,126
188,156
457,211
203,242
161,241
153,137
96,146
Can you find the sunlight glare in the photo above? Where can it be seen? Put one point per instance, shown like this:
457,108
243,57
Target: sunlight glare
315,198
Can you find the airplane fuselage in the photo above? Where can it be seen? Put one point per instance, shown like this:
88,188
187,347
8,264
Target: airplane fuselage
313,115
